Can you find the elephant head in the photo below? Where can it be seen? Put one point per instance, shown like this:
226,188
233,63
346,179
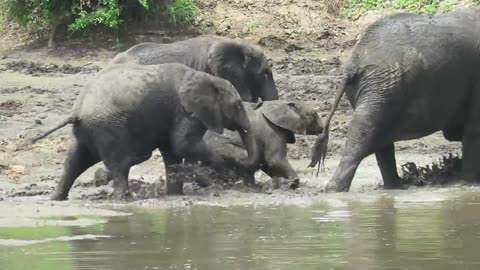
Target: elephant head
217,104
292,116
245,67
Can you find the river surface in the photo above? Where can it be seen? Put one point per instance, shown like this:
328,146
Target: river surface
422,229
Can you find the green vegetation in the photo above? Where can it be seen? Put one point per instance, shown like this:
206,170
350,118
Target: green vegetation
253,27
41,15
182,12
355,8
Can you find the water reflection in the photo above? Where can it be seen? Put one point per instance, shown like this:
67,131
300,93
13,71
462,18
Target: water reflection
386,232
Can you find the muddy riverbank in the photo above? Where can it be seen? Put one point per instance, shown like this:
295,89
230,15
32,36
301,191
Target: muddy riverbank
307,48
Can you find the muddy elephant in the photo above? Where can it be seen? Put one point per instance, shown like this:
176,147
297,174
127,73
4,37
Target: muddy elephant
273,124
245,66
410,76
167,107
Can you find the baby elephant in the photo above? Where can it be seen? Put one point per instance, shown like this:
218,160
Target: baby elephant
128,111
273,124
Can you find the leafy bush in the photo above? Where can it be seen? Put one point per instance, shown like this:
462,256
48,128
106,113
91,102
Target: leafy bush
38,15
105,12
35,14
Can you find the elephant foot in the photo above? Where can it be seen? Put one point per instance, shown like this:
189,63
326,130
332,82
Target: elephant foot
394,185
335,186
285,184
123,195
175,187
59,196
294,184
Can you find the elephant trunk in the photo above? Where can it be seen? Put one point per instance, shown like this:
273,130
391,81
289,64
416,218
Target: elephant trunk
269,90
319,151
248,139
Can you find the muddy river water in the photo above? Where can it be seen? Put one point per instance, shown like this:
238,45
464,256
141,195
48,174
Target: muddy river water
416,229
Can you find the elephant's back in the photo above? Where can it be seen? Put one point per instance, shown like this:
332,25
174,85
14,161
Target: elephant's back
402,37
123,92
190,52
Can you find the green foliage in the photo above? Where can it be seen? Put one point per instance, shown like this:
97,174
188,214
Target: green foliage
181,12
104,12
80,14
35,14
253,27
355,8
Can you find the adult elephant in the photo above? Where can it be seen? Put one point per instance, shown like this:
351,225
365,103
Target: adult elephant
410,76
243,65
166,107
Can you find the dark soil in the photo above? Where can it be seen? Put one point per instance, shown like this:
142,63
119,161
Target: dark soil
37,68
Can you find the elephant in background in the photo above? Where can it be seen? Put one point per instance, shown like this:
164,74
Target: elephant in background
167,107
273,124
245,66
410,76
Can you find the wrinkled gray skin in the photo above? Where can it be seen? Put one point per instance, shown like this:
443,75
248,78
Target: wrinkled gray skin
243,65
410,76
273,124
167,107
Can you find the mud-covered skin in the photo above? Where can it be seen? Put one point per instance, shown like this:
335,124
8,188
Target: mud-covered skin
166,107
243,65
408,77
274,124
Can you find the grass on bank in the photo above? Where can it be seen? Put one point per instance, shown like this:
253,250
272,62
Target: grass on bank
353,9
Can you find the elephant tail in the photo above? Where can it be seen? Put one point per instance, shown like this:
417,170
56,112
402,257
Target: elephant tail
69,120
319,151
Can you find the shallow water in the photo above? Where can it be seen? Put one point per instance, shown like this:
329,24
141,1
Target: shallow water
423,229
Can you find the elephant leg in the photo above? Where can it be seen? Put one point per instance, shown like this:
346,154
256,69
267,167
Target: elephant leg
174,185
249,178
471,143
120,180
78,160
470,153
280,167
388,168
198,150
187,142
118,164
454,130
367,133
453,134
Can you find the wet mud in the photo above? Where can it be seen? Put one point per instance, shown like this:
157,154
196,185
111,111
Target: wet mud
38,69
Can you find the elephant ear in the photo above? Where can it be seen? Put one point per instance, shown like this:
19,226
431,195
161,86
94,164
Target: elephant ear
284,115
229,60
226,54
201,98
